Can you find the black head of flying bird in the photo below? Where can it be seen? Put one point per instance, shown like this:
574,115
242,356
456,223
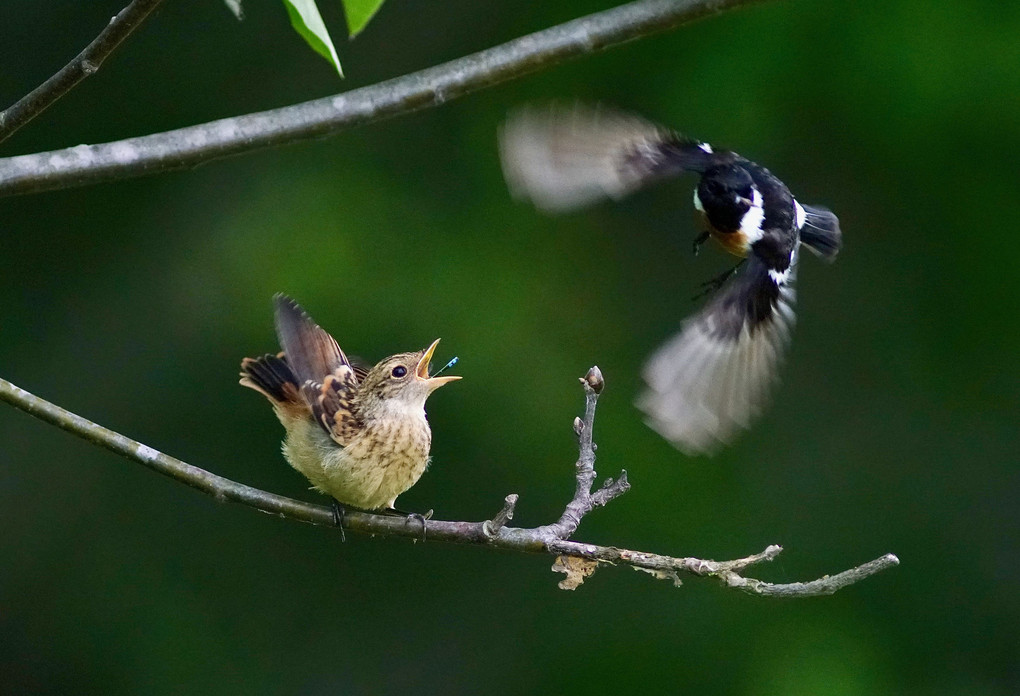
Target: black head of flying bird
715,375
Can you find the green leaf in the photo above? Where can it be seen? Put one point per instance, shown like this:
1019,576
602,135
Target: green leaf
359,12
306,20
235,7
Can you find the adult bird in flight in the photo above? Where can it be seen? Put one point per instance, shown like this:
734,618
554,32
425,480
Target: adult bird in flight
715,375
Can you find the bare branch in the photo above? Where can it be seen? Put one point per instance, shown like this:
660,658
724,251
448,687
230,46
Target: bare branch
493,533
584,501
188,147
827,585
492,527
85,64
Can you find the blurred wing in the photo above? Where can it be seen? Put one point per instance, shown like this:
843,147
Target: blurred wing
714,376
328,382
561,159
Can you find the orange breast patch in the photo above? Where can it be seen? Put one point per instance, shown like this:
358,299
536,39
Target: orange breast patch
735,242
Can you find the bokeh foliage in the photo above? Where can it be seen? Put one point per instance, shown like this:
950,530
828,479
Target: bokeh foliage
895,428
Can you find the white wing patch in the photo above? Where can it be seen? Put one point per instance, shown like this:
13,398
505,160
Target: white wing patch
782,278
801,215
750,224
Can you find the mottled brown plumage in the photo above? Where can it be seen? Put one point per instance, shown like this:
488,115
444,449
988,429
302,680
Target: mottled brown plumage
361,438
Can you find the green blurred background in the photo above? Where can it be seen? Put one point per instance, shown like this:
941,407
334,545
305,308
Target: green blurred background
894,430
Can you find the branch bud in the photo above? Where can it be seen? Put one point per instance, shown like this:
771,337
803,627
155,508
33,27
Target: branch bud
595,380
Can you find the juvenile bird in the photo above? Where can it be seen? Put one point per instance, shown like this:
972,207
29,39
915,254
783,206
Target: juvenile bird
359,437
714,376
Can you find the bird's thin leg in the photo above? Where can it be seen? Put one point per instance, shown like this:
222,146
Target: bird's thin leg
714,284
700,240
339,511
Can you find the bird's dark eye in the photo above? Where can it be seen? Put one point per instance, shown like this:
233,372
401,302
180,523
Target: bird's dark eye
399,371
714,187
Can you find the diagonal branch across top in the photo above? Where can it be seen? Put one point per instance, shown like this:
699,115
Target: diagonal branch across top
194,145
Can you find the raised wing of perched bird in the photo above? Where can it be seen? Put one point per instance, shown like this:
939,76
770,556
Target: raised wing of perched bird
715,375
359,437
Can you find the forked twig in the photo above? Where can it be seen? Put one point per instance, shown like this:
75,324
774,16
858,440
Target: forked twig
577,559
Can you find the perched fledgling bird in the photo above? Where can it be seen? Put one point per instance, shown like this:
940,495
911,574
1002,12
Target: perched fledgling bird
359,437
714,376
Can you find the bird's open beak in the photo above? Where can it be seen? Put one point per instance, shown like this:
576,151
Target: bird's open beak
422,371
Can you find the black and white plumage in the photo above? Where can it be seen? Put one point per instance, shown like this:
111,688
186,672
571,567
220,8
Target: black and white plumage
715,376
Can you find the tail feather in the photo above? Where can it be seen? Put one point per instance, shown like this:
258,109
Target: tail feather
271,376
820,232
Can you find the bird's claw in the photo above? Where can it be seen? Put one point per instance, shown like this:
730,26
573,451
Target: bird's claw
421,518
699,241
713,284
412,516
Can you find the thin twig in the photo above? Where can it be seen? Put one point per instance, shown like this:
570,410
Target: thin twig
584,501
188,147
85,64
826,585
492,533
492,527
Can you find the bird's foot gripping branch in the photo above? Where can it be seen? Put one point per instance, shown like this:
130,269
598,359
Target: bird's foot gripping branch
576,559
